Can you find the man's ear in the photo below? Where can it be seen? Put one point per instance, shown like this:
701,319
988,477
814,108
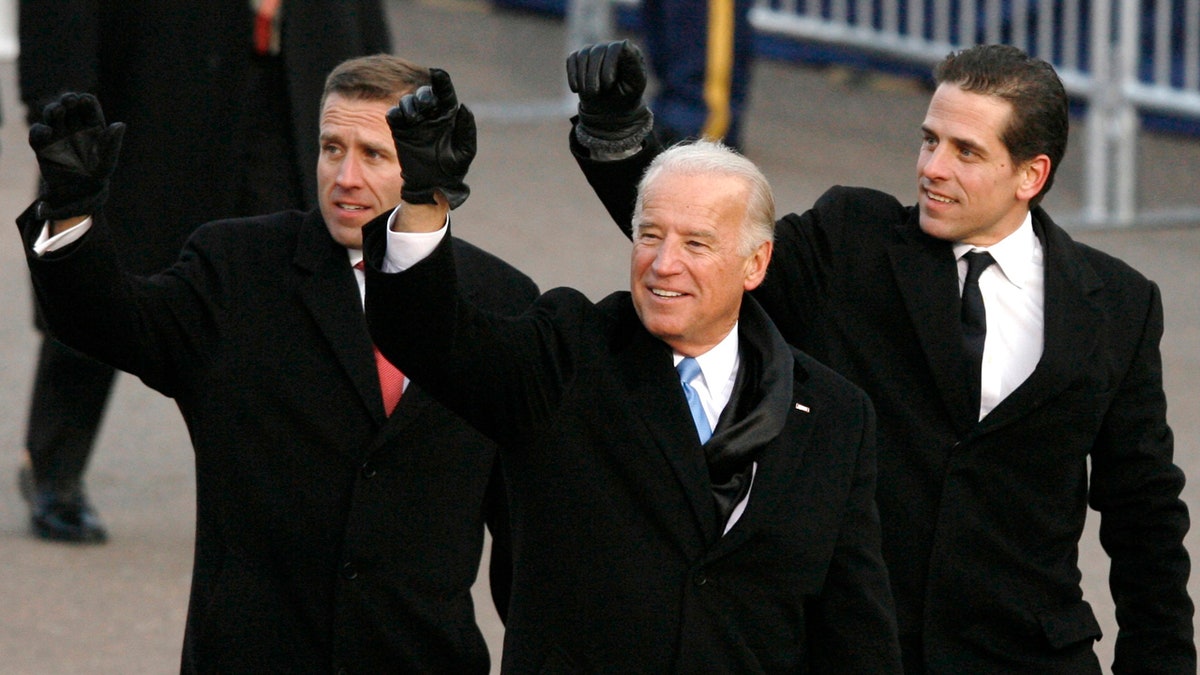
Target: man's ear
756,265
1034,174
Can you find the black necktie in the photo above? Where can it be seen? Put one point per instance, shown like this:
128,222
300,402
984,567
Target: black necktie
974,321
974,317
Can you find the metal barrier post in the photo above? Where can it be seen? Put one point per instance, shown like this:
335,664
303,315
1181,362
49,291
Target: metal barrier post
8,30
1100,104
1125,118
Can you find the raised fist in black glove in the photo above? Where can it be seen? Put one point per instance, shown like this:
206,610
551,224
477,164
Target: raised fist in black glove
76,152
610,78
435,141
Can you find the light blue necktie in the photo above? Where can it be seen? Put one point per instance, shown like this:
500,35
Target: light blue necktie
688,370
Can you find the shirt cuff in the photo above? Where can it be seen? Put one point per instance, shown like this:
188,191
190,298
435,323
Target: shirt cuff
405,249
46,243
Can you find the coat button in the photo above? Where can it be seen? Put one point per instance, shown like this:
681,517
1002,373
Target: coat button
701,580
349,571
368,470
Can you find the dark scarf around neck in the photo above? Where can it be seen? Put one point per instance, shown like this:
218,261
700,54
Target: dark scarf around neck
756,412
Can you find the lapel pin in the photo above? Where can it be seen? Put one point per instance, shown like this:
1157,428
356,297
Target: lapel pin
802,408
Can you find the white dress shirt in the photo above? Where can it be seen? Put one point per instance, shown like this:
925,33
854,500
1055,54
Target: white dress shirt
1014,293
45,243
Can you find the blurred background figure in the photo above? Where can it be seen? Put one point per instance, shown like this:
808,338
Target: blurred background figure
700,51
221,99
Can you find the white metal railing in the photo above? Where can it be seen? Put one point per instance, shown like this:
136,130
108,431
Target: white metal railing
1120,57
8,30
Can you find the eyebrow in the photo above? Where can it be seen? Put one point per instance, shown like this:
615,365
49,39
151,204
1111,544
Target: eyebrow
700,232
957,141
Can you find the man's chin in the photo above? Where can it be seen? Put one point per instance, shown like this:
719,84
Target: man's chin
932,226
348,234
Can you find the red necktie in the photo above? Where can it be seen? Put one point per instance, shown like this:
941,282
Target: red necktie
391,380
265,27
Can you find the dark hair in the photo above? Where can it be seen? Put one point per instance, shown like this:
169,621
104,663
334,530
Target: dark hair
1039,121
380,77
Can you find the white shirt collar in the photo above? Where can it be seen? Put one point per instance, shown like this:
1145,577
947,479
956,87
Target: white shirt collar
718,365
1018,256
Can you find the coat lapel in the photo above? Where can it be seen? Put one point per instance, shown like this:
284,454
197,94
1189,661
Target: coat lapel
330,293
1072,323
644,366
779,466
925,273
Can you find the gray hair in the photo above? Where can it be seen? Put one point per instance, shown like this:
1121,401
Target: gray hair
713,157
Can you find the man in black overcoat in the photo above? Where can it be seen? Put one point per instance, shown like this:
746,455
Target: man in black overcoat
734,534
221,99
988,461
337,530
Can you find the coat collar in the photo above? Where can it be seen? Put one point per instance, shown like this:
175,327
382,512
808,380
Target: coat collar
925,273
779,466
330,293
927,278
644,364
1072,322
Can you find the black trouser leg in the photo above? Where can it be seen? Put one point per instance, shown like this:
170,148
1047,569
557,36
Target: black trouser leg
70,394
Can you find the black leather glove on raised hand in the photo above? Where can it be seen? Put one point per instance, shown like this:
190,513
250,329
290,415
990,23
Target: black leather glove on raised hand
435,141
610,78
76,152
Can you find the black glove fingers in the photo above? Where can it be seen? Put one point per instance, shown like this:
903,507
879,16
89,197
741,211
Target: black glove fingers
85,112
631,69
40,135
435,142
405,114
443,90
76,154
464,134
75,113
395,116
54,114
427,103
595,63
613,118
609,70
575,68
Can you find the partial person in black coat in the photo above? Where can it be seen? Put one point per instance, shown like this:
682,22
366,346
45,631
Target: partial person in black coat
330,535
984,477
236,96
737,538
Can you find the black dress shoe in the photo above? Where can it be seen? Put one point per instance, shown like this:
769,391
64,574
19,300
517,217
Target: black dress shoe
61,515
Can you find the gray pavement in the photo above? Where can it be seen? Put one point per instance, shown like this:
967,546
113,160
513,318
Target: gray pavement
120,608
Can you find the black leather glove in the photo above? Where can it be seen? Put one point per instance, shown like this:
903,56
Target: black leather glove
435,141
76,152
610,78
